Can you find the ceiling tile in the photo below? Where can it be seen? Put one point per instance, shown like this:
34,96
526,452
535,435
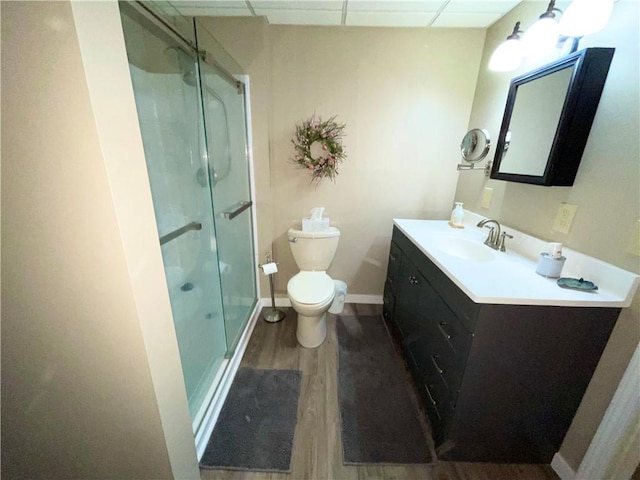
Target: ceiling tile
301,17
211,4
465,6
214,11
389,19
297,5
466,20
395,6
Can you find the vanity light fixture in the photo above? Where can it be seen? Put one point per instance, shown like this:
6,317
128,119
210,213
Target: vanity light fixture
583,17
508,56
541,38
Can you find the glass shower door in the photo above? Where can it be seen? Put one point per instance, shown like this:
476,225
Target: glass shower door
165,83
224,115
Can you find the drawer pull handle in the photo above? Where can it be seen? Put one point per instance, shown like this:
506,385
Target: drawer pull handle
392,257
413,280
434,360
433,402
443,331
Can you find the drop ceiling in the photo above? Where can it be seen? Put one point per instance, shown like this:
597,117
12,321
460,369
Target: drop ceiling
369,13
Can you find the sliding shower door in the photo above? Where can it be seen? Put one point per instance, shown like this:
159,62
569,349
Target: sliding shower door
185,174
224,114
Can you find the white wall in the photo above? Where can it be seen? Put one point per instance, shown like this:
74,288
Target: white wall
91,381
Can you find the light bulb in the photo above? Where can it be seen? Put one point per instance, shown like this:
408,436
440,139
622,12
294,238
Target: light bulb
507,57
583,17
541,38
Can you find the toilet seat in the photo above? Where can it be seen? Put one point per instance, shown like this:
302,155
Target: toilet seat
311,288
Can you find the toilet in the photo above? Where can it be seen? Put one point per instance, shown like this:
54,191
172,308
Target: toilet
311,290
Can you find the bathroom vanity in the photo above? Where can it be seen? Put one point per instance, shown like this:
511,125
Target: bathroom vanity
500,356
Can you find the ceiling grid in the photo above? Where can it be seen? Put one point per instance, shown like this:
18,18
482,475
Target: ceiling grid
367,13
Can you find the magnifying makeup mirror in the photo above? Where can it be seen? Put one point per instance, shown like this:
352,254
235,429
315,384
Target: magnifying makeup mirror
474,148
475,145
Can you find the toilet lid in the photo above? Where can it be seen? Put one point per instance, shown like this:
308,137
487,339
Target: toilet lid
311,287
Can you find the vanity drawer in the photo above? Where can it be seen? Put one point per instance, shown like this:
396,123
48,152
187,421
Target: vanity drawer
438,400
449,330
444,361
388,302
429,354
393,268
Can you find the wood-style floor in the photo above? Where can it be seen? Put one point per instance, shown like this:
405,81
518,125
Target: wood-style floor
317,449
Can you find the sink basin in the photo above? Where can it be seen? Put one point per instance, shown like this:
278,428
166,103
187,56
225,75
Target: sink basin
464,249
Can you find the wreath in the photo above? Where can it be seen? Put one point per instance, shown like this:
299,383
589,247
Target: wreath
318,147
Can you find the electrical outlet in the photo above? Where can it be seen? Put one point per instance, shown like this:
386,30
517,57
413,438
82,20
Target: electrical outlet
487,193
634,242
564,217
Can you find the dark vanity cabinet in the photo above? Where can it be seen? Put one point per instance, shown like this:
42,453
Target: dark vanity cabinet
499,383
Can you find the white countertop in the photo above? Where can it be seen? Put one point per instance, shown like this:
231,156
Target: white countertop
510,277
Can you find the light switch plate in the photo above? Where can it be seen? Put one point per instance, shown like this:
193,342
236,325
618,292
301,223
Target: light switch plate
634,242
487,193
564,217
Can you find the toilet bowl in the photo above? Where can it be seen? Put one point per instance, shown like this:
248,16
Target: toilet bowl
311,295
311,290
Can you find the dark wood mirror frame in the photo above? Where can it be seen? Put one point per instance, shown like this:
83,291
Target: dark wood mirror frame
590,69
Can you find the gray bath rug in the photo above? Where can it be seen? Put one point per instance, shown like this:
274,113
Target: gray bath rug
256,425
380,423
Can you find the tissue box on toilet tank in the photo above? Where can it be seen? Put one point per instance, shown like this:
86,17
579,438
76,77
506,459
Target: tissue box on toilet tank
314,225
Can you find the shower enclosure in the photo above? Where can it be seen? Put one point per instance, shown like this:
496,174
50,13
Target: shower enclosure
193,122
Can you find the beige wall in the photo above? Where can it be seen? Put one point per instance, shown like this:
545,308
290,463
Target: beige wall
605,190
81,393
403,93
91,381
246,40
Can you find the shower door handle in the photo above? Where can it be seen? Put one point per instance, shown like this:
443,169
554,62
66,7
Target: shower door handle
176,233
236,210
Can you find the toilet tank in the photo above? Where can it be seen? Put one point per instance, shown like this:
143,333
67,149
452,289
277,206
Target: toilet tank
313,251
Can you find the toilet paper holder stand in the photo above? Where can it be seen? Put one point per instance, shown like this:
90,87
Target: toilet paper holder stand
273,314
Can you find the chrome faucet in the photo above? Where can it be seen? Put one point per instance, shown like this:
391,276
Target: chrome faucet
495,239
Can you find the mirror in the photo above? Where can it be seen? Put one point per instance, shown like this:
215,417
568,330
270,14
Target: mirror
475,145
548,117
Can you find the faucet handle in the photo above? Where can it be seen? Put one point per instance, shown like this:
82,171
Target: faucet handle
492,233
502,239
491,238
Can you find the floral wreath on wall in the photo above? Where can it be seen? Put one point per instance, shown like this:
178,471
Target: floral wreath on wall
318,147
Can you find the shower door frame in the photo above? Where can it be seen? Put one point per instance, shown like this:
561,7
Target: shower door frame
204,421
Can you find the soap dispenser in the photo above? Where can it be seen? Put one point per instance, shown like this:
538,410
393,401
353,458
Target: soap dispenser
457,216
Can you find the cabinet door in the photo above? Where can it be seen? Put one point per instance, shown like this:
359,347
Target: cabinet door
411,294
391,283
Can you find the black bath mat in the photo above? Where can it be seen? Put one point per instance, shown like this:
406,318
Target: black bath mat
256,425
379,421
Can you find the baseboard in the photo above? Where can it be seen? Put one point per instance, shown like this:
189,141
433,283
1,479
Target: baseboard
368,299
562,468
280,302
351,298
